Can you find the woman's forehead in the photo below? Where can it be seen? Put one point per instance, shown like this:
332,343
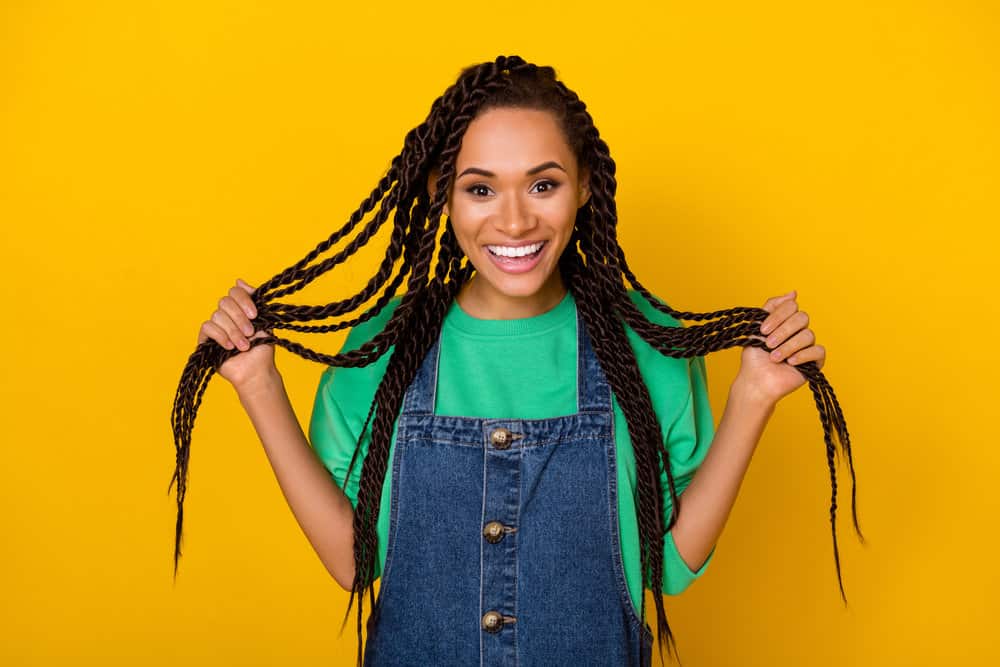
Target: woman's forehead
513,139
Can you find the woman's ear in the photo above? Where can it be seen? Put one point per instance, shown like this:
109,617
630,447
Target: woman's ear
583,190
432,186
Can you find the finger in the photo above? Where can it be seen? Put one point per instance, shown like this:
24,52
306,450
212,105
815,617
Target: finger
212,330
237,314
221,318
795,322
246,286
779,314
242,298
802,339
815,353
774,301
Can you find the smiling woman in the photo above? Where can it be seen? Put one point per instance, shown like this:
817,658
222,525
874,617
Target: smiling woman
534,419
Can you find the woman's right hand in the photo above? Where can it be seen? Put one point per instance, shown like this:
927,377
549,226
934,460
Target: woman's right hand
231,327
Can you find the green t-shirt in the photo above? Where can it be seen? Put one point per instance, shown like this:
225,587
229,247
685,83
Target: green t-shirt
540,385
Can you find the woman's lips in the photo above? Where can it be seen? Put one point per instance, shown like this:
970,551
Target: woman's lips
517,264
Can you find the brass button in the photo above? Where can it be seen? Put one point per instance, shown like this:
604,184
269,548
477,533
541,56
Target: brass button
492,621
501,438
493,532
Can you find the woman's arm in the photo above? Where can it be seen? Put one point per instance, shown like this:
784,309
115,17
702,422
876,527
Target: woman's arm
708,499
764,379
319,505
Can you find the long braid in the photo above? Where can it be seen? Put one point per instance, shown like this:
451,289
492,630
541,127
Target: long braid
593,267
434,300
595,232
831,415
606,261
619,363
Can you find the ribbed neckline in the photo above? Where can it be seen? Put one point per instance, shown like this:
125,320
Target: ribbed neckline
550,319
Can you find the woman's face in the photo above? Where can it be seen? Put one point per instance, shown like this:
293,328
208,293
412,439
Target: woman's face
512,206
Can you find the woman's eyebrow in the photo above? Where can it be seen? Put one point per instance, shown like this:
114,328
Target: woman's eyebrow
531,172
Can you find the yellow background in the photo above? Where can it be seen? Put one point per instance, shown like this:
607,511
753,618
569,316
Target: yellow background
151,153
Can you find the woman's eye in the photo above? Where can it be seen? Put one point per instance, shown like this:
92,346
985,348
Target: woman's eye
548,185
475,190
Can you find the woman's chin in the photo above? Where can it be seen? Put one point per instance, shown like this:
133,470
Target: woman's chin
519,287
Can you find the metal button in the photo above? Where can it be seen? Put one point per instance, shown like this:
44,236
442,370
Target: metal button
492,621
493,532
501,438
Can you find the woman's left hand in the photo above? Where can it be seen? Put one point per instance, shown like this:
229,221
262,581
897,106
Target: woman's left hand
766,376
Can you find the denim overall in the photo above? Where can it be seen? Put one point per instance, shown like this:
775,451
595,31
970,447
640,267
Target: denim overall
503,543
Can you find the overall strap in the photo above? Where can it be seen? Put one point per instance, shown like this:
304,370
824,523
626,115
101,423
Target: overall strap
592,389
420,395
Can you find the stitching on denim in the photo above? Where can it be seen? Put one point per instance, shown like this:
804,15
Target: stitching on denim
393,512
482,517
634,615
426,375
477,423
532,445
617,558
517,558
579,381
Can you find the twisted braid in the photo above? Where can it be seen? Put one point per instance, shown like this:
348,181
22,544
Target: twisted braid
593,267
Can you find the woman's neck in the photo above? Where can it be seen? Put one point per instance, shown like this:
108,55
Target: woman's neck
489,304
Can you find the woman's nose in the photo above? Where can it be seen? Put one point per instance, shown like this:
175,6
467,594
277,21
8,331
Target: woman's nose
516,217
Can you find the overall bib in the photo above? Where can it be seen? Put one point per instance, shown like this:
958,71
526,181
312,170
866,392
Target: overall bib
503,543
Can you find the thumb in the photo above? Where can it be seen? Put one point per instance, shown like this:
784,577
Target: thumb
242,283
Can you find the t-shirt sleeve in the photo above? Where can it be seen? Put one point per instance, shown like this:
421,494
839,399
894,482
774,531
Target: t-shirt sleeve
690,433
333,438
679,390
340,407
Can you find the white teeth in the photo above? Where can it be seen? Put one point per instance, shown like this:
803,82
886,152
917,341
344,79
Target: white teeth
507,251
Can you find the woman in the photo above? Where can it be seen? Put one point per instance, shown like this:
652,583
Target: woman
535,421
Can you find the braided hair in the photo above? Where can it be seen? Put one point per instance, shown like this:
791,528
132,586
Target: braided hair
593,267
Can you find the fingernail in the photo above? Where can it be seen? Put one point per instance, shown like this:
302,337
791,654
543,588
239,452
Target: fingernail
776,355
765,328
243,345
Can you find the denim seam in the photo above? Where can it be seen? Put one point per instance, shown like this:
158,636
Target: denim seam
476,423
618,559
517,559
482,518
534,445
579,344
615,533
393,511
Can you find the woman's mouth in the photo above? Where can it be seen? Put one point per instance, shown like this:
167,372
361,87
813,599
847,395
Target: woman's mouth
516,259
